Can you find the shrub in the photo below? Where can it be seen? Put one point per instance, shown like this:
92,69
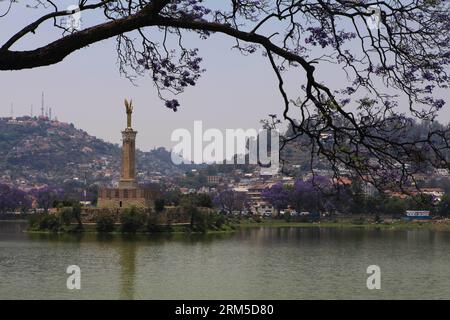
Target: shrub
358,221
33,222
198,220
220,220
76,214
303,218
153,226
159,205
105,223
203,200
257,218
132,220
66,216
215,221
378,219
49,222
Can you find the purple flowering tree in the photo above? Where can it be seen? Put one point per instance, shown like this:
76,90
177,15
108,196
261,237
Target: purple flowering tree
229,201
304,196
313,195
46,196
278,196
12,199
390,58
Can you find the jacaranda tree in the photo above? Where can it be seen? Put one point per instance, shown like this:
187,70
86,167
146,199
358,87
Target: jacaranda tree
12,199
229,200
46,196
386,54
277,195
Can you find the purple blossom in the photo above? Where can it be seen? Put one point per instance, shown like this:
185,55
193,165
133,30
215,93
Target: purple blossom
277,195
172,104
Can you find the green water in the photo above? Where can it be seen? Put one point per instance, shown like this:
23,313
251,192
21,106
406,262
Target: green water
260,263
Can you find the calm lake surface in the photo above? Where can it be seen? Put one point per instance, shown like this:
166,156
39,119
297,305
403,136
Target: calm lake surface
257,263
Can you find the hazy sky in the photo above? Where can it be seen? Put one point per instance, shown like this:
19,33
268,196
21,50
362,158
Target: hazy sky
87,89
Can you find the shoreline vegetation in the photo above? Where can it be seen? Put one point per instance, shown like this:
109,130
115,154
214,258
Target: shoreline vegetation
134,222
438,225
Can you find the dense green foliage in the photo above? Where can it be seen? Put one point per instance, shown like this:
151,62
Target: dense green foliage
153,226
203,222
104,223
49,222
67,219
132,220
66,216
159,205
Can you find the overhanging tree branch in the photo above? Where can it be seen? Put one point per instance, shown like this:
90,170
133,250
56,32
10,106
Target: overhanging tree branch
406,55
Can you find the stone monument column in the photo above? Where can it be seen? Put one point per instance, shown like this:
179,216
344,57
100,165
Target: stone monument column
128,170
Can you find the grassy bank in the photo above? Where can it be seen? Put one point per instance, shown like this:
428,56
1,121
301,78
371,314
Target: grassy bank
441,225
92,229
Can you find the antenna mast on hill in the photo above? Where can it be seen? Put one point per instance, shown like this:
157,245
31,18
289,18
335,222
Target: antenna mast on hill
42,104
12,110
31,111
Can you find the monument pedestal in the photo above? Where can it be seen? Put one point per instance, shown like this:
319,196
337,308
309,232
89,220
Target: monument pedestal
128,184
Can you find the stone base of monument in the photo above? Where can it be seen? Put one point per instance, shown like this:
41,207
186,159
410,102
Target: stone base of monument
126,197
128,184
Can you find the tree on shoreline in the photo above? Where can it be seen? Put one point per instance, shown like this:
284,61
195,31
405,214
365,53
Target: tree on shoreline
12,199
390,52
278,196
46,196
230,200
321,196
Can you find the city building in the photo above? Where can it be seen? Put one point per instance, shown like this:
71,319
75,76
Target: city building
213,179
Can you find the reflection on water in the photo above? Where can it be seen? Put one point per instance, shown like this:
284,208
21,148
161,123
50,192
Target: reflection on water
257,263
128,268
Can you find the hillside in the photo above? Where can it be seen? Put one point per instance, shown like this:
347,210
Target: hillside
37,151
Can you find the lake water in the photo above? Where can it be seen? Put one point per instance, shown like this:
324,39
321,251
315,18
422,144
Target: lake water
257,263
